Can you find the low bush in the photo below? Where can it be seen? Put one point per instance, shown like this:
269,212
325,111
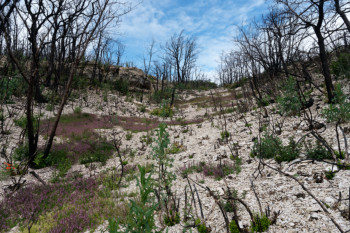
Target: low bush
99,152
175,148
196,85
201,227
341,66
261,223
10,87
159,96
330,175
122,86
288,153
77,110
290,102
339,110
268,147
165,111
233,227
172,219
271,147
224,135
56,158
318,153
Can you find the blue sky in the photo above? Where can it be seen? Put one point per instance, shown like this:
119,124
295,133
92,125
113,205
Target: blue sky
212,22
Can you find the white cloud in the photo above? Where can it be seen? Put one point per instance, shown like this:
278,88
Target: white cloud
211,22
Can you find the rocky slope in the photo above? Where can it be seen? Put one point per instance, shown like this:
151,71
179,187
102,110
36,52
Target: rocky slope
201,142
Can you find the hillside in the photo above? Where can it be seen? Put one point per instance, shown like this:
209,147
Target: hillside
99,133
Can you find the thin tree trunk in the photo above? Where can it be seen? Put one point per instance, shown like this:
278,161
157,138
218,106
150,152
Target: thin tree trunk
342,14
63,102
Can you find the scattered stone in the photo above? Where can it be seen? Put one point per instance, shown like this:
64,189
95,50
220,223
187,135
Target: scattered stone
300,195
318,177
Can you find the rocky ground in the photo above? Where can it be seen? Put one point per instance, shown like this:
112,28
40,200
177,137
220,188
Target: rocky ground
201,142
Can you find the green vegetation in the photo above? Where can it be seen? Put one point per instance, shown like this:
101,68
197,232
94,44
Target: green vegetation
291,103
225,135
330,175
164,111
141,215
10,87
201,227
77,110
339,110
341,66
128,136
175,148
75,117
142,108
318,153
172,219
160,96
261,223
271,147
233,227
122,86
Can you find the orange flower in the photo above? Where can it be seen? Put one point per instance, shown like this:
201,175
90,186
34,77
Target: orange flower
8,168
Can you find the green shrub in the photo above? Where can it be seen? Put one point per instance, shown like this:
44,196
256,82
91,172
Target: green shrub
330,175
159,96
56,158
21,152
196,85
228,207
50,107
261,223
10,87
128,136
77,110
271,147
341,66
224,135
122,86
165,111
175,148
288,153
22,122
265,101
172,219
339,110
318,153
201,227
233,227
289,103
94,157
241,82
142,108
147,139
268,147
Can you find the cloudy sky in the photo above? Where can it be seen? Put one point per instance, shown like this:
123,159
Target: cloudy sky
212,22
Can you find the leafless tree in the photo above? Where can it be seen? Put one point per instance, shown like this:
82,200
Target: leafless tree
61,32
181,52
342,8
313,14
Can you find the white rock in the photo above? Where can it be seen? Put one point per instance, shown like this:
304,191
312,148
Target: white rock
329,200
335,168
314,215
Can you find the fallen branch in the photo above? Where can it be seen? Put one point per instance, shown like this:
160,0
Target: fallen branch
310,194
